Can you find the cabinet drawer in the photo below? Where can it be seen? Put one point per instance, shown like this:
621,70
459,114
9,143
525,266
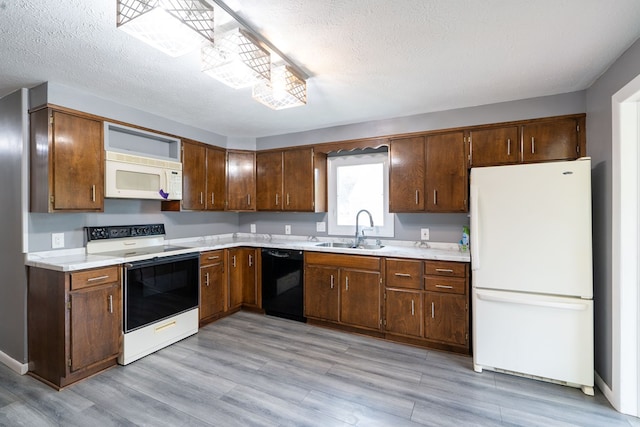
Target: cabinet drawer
445,268
211,257
402,273
99,276
451,285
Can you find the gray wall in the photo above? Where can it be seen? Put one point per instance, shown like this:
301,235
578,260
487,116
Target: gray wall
599,143
555,105
13,287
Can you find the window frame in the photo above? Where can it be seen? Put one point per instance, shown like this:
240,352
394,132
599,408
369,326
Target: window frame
333,163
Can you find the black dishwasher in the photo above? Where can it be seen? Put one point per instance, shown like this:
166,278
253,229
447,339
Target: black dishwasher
282,283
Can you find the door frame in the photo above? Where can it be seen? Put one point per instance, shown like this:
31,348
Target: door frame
625,241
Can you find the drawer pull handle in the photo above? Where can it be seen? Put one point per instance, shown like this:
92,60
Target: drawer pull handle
95,279
444,286
213,257
403,274
165,326
444,270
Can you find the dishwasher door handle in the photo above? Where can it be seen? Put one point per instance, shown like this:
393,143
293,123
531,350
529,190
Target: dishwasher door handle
279,254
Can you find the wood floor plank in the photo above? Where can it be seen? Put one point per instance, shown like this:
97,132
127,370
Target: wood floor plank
254,370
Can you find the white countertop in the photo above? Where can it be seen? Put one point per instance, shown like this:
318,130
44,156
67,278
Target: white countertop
78,259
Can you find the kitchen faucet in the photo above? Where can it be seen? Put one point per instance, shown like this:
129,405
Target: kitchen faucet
360,237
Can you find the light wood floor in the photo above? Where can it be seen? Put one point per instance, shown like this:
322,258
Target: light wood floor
250,369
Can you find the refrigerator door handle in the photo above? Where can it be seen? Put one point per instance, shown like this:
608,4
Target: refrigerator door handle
525,301
475,232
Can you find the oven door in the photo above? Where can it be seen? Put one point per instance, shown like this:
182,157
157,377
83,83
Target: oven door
159,288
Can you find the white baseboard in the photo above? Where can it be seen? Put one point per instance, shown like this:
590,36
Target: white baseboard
14,365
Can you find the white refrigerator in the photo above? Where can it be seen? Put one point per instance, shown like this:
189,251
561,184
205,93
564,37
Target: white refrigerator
532,285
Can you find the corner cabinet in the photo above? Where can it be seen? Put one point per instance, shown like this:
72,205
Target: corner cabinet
291,180
428,173
343,289
67,162
241,180
74,323
242,277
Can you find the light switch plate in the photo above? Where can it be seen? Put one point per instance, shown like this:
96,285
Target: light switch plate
287,229
253,228
57,240
321,227
424,234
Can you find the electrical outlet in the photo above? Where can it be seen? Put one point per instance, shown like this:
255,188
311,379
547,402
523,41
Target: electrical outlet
424,234
287,229
57,240
253,228
321,227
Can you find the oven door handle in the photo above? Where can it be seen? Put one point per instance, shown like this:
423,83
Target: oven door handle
157,260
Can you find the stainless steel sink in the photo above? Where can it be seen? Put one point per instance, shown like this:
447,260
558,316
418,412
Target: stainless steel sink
348,245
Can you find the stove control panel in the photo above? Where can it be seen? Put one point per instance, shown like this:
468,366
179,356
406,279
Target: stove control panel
120,231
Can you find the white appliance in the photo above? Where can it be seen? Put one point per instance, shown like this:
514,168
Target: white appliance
137,177
532,293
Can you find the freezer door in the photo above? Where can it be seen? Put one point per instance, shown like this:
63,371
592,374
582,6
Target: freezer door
542,336
531,228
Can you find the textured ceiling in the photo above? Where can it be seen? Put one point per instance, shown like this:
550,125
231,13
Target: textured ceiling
368,59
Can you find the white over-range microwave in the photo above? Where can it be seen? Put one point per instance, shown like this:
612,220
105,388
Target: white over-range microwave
136,177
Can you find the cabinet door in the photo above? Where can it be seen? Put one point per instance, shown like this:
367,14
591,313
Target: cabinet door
446,176
446,318
216,179
193,176
552,140
241,181
234,262
213,286
298,180
269,181
249,283
95,324
78,163
404,312
360,298
407,175
321,287
492,147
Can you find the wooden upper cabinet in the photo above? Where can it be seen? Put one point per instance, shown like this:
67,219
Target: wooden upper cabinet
216,180
241,180
446,173
291,180
193,175
494,146
269,181
67,162
551,140
299,186
407,174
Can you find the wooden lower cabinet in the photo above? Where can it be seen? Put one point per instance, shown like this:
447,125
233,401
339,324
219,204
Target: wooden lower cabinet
213,286
74,323
321,293
243,285
446,318
343,289
427,303
403,312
